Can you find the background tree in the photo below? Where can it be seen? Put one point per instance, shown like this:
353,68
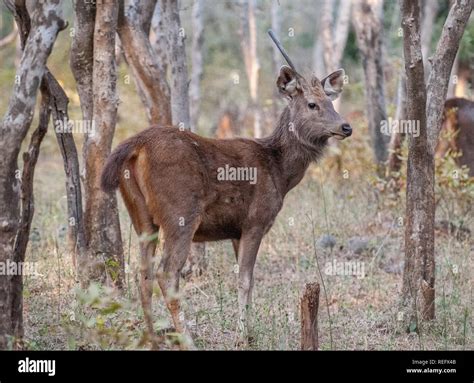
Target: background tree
248,42
14,127
176,55
334,32
146,68
196,63
101,219
367,20
424,106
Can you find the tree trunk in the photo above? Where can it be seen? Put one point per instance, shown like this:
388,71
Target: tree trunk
367,20
196,62
10,38
309,317
81,58
397,138
334,36
442,64
176,54
147,70
45,25
30,158
326,33
81,63
419,230
77,237
158,39
424,105
430,10
341,31
276,55
248,35
145,14
101,218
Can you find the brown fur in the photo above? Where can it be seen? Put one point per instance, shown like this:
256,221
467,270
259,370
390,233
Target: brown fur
169,180
459,124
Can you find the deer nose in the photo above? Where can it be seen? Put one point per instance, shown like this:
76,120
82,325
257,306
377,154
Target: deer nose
346,129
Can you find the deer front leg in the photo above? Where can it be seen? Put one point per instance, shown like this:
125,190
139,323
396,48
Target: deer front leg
247,254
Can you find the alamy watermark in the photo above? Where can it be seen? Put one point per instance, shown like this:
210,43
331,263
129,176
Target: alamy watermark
411,127
18,268
231,173
347,268
75,126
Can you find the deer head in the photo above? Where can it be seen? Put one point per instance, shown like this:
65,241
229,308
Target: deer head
310,105
310,102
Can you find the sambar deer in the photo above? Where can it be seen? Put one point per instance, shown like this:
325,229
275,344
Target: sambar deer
458,125
180,182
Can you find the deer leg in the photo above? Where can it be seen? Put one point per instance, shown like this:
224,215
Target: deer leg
248,249
235,245
176,251
147,252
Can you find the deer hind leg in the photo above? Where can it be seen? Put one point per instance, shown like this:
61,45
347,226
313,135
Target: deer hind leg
148,237
148,244
235,246
176,250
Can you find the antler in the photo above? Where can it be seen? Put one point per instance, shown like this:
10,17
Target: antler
282,50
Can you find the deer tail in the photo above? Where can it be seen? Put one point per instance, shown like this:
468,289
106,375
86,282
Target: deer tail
110,178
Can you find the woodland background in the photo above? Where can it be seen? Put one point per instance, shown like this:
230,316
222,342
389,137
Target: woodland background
358,213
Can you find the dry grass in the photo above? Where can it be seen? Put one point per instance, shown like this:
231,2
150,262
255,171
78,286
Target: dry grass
363,310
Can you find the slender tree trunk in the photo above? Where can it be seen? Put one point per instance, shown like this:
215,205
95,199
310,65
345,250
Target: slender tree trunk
81,58
341,31
30,158
327,38
367,20
334,35
158,39
425,106
442,65
176,54
397,138
276,55
145,14
146,68
196,62
77,237
248,34
102,221
430,10
46,22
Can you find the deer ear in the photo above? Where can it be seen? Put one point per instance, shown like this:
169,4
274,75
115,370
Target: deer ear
287,82
333,84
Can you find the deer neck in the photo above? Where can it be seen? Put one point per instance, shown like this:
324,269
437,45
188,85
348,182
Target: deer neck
291,156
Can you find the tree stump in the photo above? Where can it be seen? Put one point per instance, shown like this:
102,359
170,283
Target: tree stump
309,317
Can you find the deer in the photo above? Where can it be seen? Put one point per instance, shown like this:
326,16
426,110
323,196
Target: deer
171,180
458,124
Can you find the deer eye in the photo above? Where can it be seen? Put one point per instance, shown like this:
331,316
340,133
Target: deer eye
312,106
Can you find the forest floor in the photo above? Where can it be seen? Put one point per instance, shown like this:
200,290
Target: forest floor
347,202
356,311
